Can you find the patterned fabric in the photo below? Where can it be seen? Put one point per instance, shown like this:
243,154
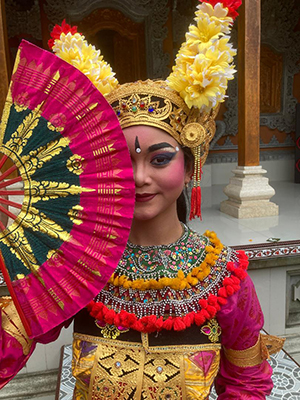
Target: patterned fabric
67,145
241,320
111,369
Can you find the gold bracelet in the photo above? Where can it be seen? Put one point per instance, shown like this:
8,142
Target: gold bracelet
255,355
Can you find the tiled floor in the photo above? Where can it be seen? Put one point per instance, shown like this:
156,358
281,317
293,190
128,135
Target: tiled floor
233,232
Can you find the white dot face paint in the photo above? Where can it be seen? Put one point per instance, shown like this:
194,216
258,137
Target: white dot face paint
137,145
177,148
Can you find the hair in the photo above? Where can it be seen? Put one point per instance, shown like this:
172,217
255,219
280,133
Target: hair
182,203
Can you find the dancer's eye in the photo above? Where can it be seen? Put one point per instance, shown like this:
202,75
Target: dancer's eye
162,159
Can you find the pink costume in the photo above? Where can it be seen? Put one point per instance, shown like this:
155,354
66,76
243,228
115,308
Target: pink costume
239,317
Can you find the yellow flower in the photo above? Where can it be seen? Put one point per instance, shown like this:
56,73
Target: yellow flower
205,31
218,14
75,50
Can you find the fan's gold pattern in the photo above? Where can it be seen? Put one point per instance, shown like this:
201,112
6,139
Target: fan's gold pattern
36,158
18,245
126,370
47,190
24,131
39,222
76,214
34,191
75,164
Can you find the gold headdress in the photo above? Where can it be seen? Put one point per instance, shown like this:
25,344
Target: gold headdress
186,104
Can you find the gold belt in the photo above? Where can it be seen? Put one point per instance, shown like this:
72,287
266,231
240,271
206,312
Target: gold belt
126,370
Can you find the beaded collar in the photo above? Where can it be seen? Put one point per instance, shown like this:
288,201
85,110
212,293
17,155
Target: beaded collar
170,286
155,262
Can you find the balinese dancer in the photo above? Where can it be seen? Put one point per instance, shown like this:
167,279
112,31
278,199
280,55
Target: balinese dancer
180,312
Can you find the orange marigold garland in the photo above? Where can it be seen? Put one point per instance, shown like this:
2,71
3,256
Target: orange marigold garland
181,282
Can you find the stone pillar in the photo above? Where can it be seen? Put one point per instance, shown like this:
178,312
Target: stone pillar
4,57
249,192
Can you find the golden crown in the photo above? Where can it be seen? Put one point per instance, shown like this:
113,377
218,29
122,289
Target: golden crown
153,103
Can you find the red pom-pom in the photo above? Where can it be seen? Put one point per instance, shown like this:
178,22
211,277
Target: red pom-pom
138,326
212,300
240,273
130,319
205,314
235,280
189,319
229,290
222,301
109,316
230,266
199,319
168,324
227,281
90,305
159,323
149,323
117,320
211,310
203,303
179,325
98,314
222,292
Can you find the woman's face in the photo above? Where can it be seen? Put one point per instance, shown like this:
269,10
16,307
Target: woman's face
159,171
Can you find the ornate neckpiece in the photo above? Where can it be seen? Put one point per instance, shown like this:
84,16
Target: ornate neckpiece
170,286
155,262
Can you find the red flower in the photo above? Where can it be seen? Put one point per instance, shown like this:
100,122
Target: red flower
232,5
58,30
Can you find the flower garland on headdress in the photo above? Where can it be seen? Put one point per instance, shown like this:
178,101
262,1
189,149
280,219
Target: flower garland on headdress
204,65
204,62
72,47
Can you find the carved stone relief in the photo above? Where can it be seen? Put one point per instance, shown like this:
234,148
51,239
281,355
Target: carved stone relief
153,12
271,67
278,22
20,20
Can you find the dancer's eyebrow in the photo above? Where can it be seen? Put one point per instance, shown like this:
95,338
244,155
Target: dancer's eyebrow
159,146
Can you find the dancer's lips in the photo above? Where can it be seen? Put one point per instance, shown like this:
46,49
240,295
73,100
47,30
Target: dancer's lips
141,197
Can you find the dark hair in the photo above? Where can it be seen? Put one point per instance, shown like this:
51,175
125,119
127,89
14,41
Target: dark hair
182,200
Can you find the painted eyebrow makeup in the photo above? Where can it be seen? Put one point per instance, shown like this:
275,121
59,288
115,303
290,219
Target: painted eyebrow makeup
159,146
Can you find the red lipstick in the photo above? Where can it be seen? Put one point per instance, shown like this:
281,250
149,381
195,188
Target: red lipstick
143,197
